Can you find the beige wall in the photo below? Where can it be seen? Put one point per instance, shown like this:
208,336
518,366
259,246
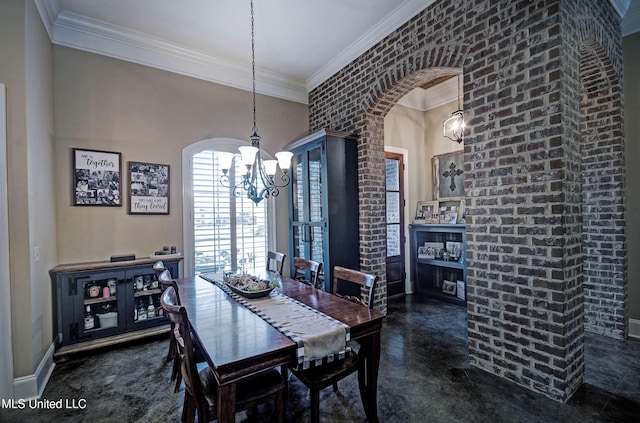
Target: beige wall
147,115
41,184
631,53
101,103
421,134
28,77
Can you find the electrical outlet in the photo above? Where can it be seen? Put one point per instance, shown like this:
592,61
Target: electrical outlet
36,254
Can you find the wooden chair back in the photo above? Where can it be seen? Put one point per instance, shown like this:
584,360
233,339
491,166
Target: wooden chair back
275,261
307,271
355,277
165,280
201,388
158,267
177,315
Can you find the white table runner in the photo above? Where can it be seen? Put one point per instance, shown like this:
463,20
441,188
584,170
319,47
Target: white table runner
319,337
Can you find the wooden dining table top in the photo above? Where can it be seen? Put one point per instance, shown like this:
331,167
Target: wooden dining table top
238,342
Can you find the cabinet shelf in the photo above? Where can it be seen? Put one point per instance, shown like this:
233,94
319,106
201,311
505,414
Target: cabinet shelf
100,300
429,275
148,292
442,263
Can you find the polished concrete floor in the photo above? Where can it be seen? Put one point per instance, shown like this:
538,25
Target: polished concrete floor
424,377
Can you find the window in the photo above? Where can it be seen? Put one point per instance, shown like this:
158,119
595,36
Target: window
229,233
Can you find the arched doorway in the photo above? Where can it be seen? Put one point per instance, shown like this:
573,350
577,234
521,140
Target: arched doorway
523,167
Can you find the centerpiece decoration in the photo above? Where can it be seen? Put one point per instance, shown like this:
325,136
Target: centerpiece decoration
249,286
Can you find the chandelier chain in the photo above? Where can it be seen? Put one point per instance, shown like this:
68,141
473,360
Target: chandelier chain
458,92
253,69
258,178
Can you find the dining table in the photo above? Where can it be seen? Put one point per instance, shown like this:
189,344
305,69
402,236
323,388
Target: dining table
236,342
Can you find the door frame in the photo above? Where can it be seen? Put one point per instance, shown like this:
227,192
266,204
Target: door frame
408,289
6,346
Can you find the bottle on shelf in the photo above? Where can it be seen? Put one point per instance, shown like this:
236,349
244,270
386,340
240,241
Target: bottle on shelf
159,309
142,312
89,319
151,310
135,312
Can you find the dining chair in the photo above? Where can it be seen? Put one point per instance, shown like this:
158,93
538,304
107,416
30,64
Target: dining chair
319,377
158,267
302,267
165,280
275,261
200,394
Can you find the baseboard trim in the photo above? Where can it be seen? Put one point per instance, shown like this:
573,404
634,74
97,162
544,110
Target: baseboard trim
31,386
634,329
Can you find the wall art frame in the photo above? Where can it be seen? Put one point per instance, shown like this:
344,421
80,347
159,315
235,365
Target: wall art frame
148,188
97,178
448,176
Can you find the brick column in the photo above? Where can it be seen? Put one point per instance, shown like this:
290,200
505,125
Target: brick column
542,172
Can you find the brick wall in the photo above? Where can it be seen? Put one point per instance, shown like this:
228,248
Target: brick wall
543,170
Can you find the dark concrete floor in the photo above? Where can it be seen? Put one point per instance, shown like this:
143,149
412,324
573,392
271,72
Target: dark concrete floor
424,377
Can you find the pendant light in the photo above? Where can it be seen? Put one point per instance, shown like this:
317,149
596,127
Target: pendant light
453,128
259,176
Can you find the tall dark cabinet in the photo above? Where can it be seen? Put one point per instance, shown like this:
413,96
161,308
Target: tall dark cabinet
323,201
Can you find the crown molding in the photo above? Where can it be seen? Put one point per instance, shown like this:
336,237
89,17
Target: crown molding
631,20
79,32
393,21
48,10
436,96
621,6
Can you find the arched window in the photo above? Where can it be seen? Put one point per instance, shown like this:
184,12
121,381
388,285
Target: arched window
222,232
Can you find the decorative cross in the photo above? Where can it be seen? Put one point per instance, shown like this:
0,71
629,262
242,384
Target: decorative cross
453,172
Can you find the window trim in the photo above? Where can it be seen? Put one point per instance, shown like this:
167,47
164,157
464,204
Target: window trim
218,144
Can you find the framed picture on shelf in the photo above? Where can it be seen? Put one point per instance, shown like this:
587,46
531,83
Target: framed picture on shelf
448,175
449,287
431,249
460,207
448,215
425,210
454,249
96,178
460,290
148,188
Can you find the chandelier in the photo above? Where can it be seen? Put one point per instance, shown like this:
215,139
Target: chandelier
259,176
453,128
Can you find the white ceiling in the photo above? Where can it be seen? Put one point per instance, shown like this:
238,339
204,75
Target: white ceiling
299,44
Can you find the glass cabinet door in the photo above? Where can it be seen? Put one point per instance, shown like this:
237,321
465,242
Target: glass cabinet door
298,190
146,292
98,301
314,158
307,211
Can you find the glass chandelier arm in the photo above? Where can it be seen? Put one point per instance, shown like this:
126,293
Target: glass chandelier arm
284,160
225,160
